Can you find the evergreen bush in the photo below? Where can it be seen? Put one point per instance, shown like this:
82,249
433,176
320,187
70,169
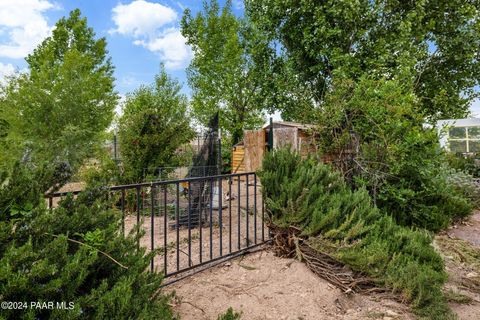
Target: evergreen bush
344,224
76,253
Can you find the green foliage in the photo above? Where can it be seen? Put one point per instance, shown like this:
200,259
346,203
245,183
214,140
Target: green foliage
51,119
153,126
464,185
469,165
100,169
55,112
76,253
222,73
345,224
230,314
394,155
24,187
431,45
226,158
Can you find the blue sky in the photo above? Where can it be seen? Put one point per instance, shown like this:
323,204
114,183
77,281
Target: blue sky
141,34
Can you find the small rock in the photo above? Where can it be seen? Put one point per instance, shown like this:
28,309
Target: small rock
391,313
227,264
387,318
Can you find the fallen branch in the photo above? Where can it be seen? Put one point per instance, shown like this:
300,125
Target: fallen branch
89,246
288,243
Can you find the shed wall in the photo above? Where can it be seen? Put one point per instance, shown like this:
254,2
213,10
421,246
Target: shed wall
238,159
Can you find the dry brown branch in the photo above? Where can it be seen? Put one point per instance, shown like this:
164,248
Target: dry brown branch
287,243
89,246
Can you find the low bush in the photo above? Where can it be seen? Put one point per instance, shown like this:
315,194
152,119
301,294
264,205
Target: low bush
469,165
310,197
76,254
230,314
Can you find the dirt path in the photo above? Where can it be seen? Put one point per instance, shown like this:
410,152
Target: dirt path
468,230
263,286
460,248
237,231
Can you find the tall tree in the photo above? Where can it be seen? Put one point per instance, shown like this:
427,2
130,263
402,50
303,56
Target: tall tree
153,125
56,111
432,45
222,73
49,119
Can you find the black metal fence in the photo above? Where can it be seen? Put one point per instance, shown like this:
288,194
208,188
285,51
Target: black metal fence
192,222
173,173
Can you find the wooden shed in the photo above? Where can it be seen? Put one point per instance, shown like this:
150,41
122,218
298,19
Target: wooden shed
248,154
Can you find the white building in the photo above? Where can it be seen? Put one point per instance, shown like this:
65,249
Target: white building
460,135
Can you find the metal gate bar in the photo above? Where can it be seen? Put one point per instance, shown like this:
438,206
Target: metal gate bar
178,216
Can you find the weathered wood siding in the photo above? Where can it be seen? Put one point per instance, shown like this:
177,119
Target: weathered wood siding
249,156
283,137
254,141
238,159
306,144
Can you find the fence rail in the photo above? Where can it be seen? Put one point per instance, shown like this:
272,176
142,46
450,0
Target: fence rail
192,222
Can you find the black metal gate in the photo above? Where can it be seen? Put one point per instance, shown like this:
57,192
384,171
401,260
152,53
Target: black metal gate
193,222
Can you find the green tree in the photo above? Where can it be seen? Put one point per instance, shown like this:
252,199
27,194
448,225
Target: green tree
375,125
56,111
153,125
432,45
222,73
75,252
53,116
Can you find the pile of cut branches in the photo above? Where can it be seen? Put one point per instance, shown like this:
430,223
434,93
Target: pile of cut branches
287,243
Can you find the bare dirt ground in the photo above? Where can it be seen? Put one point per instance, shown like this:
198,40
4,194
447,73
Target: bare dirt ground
468,230
460,248
263,286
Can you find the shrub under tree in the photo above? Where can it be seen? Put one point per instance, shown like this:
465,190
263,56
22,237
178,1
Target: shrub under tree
379,126
315,216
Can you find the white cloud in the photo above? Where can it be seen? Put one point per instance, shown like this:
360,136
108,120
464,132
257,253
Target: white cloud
154,27
6,69
141,18
129,81
120,105
171,47
24,26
